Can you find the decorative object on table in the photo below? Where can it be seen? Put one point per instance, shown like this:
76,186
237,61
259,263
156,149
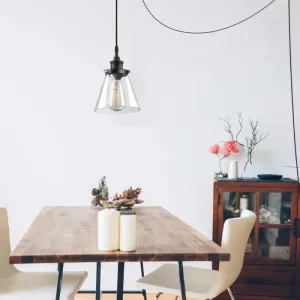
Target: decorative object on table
127,231
108,229
128,198
244,202
269,176
100,193
251,141
117,94
223,152
233,172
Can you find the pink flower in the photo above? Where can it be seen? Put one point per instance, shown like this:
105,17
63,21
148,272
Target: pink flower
214,149
231,146
226,153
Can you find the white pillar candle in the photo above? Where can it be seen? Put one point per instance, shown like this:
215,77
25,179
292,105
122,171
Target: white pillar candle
127,231
108,229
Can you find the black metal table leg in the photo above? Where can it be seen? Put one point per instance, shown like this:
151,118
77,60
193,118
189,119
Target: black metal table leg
143,274
120,285
181,278
59,280
98,281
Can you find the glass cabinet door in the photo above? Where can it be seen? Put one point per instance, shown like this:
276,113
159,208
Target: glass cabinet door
275,237
233,202
274,243
272,237
275,208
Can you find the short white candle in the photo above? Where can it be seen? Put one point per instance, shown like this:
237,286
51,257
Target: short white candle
108,230
128,231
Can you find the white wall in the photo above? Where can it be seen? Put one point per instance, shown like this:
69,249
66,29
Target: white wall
54,148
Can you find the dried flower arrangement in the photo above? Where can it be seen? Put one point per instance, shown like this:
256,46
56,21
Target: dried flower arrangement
127,199
228,148
100,193
251,142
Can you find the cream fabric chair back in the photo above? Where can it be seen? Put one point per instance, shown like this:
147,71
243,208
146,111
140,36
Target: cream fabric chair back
5,268
236,232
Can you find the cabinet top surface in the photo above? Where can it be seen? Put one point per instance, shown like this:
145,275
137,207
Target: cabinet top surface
283,185
255,179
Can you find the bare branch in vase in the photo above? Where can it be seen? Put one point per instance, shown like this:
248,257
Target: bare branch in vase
228,128
253,141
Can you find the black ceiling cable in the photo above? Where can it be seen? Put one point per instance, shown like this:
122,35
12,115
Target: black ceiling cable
209,31
292,88
290,59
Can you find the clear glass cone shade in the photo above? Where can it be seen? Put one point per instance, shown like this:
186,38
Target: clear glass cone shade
117,96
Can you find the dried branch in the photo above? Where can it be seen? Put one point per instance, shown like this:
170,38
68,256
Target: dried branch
253,141
241,120
228,128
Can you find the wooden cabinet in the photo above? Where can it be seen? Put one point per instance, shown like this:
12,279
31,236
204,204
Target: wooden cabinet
272,257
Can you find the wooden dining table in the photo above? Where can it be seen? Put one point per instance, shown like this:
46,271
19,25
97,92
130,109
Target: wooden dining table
68,234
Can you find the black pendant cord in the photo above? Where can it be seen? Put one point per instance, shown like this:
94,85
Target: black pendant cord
116,65
116,46
209,31
292,89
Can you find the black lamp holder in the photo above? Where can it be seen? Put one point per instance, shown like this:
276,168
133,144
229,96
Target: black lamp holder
116,65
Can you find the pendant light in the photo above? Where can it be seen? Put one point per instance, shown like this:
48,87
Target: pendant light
117,94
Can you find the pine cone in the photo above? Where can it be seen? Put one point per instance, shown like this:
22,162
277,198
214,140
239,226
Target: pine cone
131,194
95,202
95,192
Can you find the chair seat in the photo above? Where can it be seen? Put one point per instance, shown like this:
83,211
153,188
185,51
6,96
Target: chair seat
33,286
199,283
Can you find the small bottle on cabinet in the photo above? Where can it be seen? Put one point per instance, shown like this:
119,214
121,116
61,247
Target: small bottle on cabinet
127,231
244,202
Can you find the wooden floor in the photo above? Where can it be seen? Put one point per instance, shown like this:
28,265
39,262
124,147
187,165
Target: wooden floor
125,297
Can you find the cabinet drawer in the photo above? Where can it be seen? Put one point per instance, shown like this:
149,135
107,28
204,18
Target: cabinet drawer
261,277
263,290
265,283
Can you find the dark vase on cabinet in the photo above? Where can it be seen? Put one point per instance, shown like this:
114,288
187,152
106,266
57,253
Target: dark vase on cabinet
271,268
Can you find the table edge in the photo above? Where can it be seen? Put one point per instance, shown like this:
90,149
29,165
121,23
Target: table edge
120,257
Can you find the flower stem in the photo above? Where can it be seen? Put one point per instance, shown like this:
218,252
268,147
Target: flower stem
220,163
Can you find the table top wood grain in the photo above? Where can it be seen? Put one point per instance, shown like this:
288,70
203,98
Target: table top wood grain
69,234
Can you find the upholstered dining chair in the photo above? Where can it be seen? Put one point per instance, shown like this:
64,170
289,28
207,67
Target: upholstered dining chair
204,283
16,285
